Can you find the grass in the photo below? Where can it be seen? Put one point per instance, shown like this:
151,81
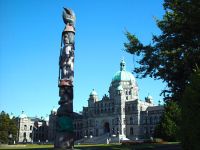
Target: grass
27,147
166,146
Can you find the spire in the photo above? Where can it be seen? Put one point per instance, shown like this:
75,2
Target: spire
122,65
93,93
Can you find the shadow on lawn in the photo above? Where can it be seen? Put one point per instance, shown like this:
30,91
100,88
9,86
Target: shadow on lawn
132,147
107,147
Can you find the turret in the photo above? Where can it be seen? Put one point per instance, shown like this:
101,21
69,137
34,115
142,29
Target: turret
93,98
149,99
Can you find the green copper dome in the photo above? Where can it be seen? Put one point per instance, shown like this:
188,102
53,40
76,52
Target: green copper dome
123,75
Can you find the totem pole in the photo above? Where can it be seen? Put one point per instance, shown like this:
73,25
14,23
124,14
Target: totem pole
64,123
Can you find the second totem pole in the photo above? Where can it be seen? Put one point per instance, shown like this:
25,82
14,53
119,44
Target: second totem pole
64,124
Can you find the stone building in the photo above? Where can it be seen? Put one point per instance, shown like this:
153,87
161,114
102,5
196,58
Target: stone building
32,129
120,113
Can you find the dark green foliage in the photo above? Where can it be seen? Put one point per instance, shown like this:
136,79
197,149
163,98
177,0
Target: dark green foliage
191,113
7,126
173,54
172,57
169,127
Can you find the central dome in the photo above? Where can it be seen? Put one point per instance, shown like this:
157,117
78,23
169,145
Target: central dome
123,75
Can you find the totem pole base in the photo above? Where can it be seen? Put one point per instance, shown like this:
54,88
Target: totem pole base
64,141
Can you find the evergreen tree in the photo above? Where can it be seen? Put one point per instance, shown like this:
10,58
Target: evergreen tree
13,128
190,113
172,57
7,126
169,127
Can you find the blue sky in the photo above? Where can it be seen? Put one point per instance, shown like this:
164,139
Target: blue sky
30,33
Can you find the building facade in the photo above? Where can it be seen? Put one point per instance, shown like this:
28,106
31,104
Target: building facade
121,112
32,129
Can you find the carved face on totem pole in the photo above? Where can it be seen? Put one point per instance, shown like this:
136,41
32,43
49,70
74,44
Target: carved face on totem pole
67,54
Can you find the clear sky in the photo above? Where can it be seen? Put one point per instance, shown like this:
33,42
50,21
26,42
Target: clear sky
30,34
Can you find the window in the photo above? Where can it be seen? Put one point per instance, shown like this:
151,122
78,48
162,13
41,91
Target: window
130,92
155,120
24,134
131,120
133,107
112,109
151,120
113,121
31,127
117,131
113,130
127,92
25,127
129,108
109,109
131,131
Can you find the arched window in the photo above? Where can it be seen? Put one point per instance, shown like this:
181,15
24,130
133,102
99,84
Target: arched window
127,92
130,92
25,127
24,134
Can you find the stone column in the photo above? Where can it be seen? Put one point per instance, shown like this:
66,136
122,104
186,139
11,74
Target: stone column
64,121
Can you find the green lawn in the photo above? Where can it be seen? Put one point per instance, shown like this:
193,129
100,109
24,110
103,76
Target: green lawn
166,146
27,147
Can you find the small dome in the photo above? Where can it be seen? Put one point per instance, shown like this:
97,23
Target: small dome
46,118
150,97
11,115
93,93
123,75
23,115
54,110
